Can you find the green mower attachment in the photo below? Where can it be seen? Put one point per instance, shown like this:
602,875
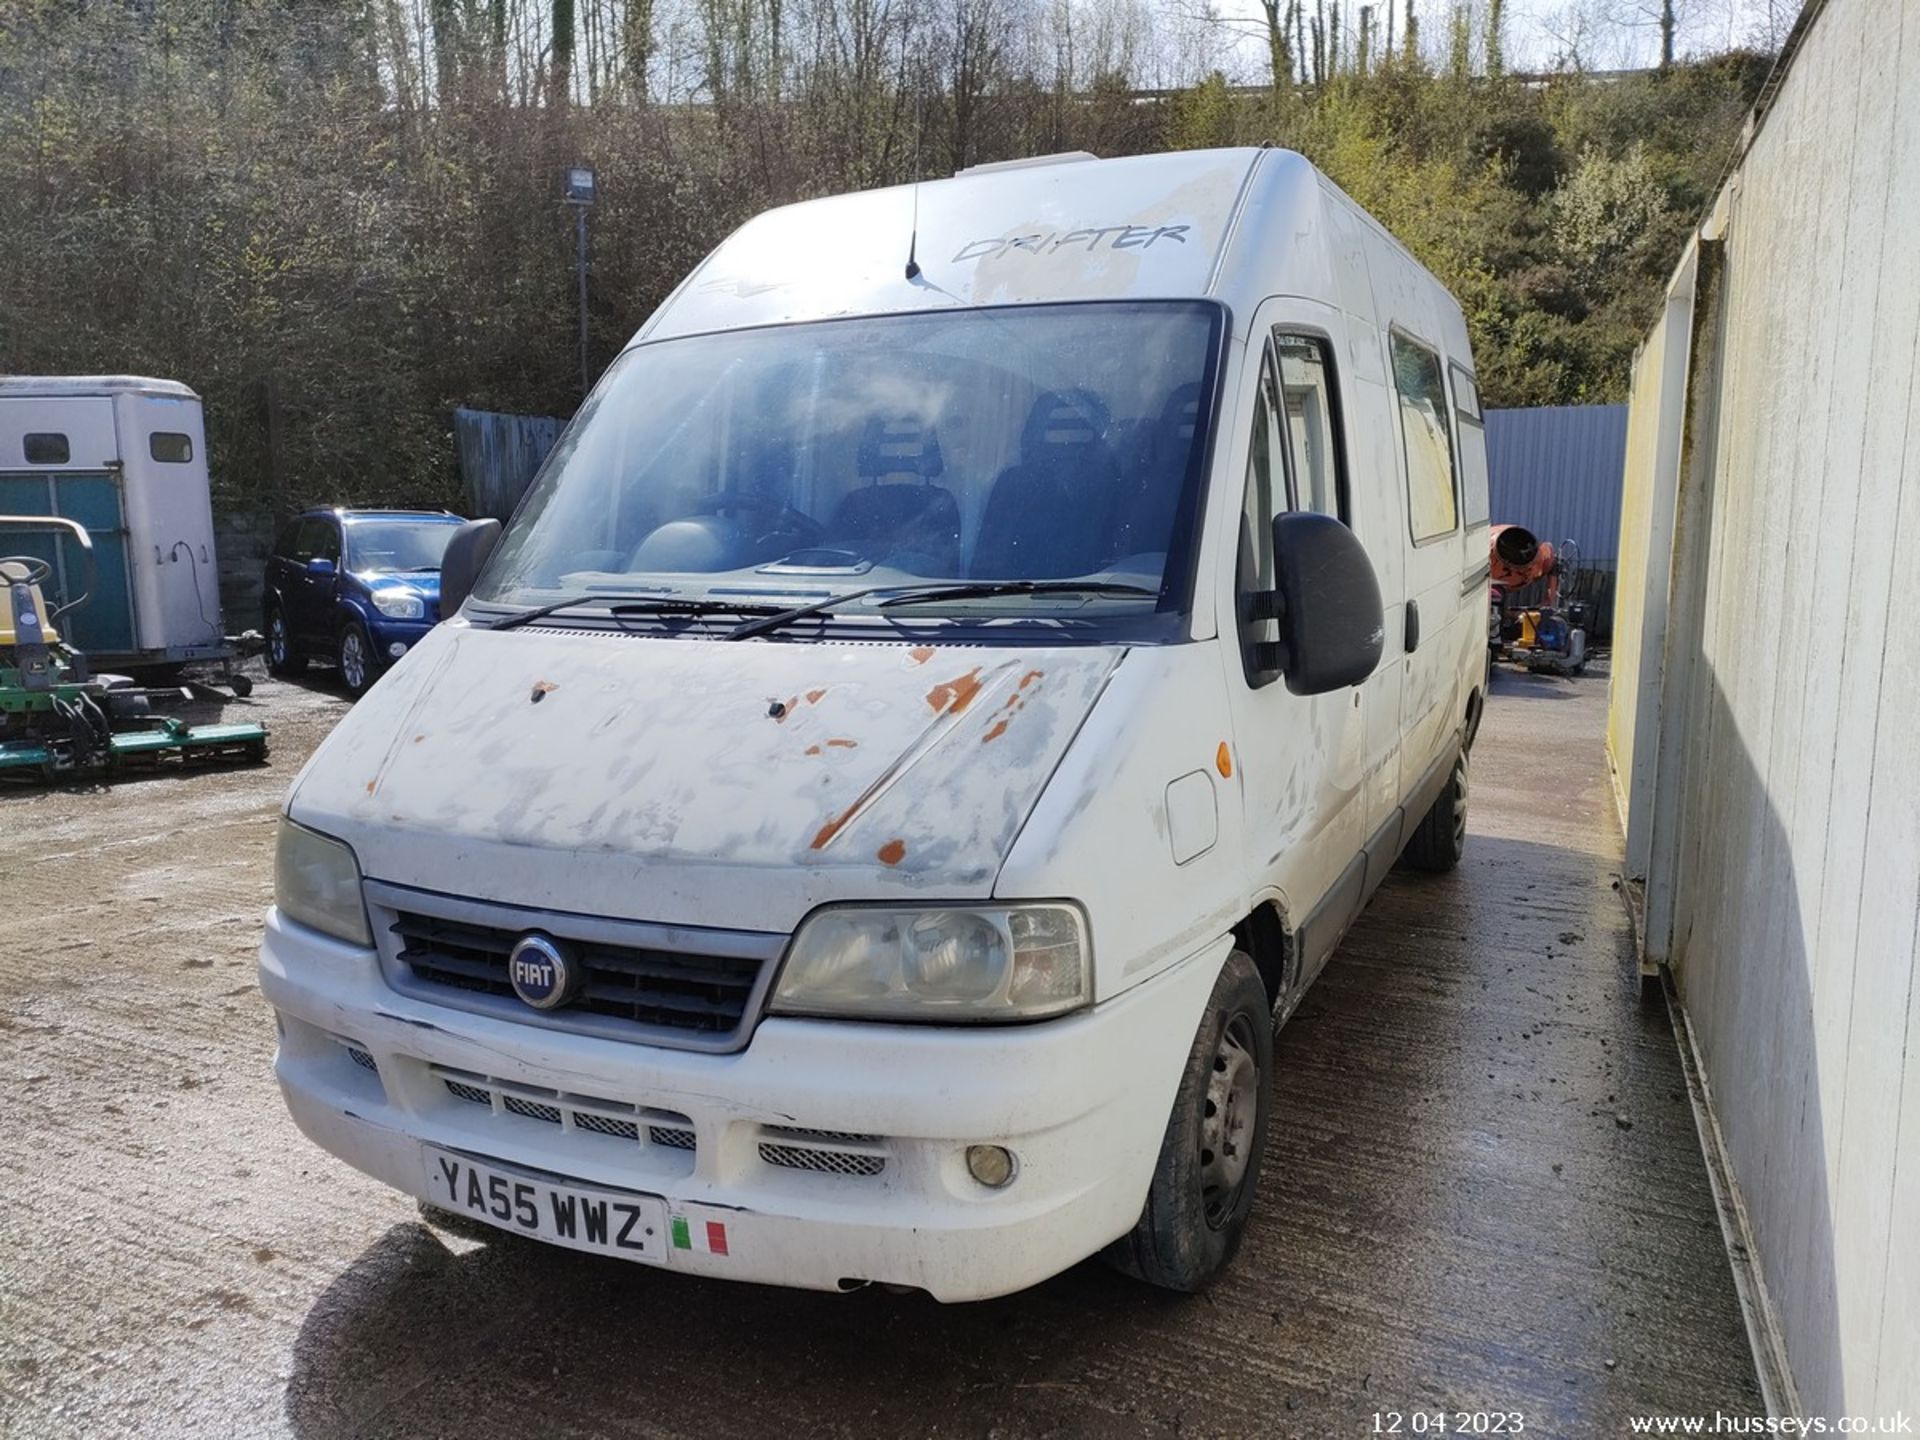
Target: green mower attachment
57,719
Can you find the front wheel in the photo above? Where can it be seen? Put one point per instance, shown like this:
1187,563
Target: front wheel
1209,1166
356,659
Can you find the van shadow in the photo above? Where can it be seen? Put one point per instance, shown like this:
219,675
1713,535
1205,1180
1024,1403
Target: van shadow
428,1336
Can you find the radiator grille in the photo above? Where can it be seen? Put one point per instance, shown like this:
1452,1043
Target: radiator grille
704,995
617,1119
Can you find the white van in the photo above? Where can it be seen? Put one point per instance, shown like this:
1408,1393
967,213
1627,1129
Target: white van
934,713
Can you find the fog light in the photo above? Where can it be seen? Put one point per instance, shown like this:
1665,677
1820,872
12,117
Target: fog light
991,1165
397,649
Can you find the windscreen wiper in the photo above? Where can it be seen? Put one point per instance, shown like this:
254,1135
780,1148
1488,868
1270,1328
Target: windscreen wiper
912,594
663,605
975,589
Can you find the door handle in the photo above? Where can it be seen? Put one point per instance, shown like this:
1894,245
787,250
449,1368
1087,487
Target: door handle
1413,626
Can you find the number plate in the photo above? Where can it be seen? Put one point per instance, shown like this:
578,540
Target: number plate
607,1222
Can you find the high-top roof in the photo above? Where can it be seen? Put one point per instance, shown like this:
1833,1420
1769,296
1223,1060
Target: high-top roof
1068,227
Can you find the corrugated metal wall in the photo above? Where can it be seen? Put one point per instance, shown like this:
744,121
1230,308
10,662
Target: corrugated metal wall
1556,470
499,455
1774,787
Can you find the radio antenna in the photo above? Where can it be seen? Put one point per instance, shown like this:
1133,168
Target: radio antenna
913,236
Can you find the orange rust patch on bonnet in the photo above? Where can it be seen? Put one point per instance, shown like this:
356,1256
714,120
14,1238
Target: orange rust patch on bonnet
1031,676
951,697
813,749
813,696
833,827
893,852
844,744
999,729
921,654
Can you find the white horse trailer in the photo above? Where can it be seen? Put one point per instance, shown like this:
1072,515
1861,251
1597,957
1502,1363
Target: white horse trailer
127,458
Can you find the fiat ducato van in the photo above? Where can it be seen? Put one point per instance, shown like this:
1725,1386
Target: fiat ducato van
865,817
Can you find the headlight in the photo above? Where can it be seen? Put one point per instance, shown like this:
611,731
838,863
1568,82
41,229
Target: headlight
316,881
399,604
1017,962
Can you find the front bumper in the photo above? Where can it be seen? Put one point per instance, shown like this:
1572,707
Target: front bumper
386,633
1082,1102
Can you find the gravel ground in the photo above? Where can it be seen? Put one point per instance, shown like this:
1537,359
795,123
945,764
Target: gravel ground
1484,1189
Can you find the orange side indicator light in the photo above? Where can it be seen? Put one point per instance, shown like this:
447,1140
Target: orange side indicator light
1223,761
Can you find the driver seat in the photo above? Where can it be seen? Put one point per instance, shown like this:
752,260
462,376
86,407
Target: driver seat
915,524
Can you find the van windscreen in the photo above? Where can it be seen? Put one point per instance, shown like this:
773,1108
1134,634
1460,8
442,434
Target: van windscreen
1047,442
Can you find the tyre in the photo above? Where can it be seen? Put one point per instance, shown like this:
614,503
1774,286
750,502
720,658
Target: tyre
241,685
356,659
1209,1165
1441,838
283,657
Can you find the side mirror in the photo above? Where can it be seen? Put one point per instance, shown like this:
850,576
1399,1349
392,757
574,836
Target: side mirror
320,565
1332,625
466,556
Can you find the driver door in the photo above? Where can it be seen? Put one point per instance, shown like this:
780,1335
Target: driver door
310,596
1301,757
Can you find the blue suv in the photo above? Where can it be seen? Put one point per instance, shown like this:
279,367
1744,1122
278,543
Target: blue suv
360,587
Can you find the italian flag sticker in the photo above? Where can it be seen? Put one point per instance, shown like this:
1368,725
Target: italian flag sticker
704,1236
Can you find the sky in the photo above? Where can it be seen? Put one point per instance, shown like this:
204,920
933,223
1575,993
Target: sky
1608,34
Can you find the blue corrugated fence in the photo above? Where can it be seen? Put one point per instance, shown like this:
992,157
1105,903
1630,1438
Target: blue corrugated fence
499,455
1557,469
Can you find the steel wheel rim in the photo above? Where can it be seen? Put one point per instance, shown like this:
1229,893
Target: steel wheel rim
353,660
1460,806
277,641
1230,1109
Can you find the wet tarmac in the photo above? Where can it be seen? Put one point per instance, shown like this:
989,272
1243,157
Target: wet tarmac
1484,1191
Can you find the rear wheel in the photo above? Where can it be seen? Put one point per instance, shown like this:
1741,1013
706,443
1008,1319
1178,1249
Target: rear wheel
1441,838
1209,1166
283,657
356,659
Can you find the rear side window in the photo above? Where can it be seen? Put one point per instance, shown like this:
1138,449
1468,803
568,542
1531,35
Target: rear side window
47,448
288,545
1426,438
1471,431
170,447
1466,395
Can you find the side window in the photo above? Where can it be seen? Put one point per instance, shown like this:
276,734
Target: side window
46,448
1266,497
327,541
170,447
315,540
287,546
1317,462
1427,438
1471,430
